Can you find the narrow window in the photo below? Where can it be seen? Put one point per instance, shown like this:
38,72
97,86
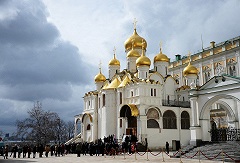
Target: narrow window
120,123
103,99
88,127
155,92
151,92
120,97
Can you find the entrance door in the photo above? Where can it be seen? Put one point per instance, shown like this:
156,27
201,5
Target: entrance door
218,125
131,131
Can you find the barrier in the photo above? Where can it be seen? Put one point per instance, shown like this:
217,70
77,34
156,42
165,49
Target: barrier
223,155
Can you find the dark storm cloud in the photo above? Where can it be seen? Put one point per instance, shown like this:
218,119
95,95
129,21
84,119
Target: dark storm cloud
35,63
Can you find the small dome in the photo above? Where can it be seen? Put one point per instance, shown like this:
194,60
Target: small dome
161,57
100,77
114,61
190,70
133,53
143,61
138,42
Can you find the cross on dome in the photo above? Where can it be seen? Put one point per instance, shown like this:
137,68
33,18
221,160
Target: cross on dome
189,56
114,52
135,23
100,66
160,46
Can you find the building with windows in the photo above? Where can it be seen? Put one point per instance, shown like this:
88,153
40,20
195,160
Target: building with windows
183,101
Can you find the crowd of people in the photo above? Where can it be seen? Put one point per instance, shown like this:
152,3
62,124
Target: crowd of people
108,145
31,151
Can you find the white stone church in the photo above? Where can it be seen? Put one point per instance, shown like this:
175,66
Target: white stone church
180,102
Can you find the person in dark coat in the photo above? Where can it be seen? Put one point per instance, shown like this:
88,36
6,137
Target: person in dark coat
34,151
6,152
167,147
78,149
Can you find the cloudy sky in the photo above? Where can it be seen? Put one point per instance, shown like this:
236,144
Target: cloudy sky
50,50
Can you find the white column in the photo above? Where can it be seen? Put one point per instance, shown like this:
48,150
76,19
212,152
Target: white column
194,111
238,64
75,128
139,130
201,74
212,67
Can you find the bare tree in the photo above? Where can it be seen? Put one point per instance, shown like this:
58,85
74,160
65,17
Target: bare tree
70,129
41,126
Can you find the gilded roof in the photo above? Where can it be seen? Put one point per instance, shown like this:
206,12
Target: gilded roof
114,84
125,81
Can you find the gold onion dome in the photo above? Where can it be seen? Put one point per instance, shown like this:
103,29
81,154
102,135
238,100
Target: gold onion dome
100,77
143,60
137,40
133,53
190,70
114,61
161,57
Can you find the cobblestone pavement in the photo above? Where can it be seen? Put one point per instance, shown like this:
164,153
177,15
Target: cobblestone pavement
72,158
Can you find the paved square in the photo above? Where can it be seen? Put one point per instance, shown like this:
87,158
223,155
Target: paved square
72,158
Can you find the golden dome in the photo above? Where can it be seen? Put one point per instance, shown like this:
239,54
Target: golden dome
133,53
161,57
137,41
100,77
143,60
114,61
190,69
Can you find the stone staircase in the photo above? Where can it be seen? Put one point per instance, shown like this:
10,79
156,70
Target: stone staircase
228,151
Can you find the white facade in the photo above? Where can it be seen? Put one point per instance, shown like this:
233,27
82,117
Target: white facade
162,104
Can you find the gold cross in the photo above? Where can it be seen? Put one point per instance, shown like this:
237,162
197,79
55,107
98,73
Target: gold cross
189,56
114,51
135,23
100,65
160,46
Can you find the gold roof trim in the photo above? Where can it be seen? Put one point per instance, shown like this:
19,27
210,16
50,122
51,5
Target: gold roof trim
125,81
114,84
134,110
105,85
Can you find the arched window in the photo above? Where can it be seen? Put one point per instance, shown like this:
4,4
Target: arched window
152,114
169,120
104,99
88,127
152,123
185,120
152,117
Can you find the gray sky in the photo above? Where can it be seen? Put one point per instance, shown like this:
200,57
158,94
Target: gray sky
50,50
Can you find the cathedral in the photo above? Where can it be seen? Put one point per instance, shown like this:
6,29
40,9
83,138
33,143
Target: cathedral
181,102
